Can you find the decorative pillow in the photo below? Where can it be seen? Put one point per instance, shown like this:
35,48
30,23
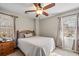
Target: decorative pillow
21,35
28,35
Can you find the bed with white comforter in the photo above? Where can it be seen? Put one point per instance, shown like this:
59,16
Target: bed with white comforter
36,46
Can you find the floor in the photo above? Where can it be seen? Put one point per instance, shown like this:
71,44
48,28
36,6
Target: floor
61,52
57,52
16,53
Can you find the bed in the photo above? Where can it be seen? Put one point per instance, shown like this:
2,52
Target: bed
35,45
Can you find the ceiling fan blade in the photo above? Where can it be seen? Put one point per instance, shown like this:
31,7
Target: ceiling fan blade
44,13
30,11
39,4
37,15
49,6
35,4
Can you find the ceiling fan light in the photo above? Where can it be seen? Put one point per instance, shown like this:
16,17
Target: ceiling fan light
39,11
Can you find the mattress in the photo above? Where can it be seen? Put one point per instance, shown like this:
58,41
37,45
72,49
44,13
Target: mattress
36,46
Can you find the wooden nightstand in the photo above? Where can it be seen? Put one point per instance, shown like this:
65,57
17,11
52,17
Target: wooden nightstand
7,48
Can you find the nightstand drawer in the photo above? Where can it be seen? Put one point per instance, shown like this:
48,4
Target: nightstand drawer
13,44
7,48
1,44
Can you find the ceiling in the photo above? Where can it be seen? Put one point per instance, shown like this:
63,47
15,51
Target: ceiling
20,8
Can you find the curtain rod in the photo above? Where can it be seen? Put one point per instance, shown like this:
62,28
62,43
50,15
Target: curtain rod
8,14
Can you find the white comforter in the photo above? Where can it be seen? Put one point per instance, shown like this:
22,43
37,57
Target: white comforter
36,46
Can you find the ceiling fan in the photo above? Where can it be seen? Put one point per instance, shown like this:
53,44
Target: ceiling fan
41,10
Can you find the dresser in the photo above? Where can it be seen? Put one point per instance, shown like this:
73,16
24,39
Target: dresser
7,48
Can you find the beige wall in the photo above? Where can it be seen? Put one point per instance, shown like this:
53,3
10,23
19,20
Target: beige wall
48,27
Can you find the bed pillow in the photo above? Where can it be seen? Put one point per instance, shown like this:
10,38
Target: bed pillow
21,35
28,35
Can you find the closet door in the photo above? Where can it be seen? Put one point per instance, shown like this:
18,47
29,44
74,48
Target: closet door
69,32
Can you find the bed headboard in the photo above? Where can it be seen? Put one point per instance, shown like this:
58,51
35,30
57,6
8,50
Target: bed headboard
21,33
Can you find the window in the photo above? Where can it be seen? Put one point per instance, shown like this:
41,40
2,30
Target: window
68,32
6,26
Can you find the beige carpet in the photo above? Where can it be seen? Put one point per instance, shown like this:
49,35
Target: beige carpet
57,52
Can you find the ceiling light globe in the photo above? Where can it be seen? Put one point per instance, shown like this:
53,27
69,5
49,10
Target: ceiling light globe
39,11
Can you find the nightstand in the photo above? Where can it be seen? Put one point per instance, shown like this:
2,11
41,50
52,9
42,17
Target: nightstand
7,47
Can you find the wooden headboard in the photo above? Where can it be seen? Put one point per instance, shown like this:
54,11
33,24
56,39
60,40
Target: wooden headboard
25,32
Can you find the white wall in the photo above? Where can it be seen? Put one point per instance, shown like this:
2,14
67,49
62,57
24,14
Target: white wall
48,27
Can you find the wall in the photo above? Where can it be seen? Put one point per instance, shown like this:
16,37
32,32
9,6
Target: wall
24,23
48,27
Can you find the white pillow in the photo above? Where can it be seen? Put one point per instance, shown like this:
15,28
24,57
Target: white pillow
28,35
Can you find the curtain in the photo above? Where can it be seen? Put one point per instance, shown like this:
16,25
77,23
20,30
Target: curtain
59,40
